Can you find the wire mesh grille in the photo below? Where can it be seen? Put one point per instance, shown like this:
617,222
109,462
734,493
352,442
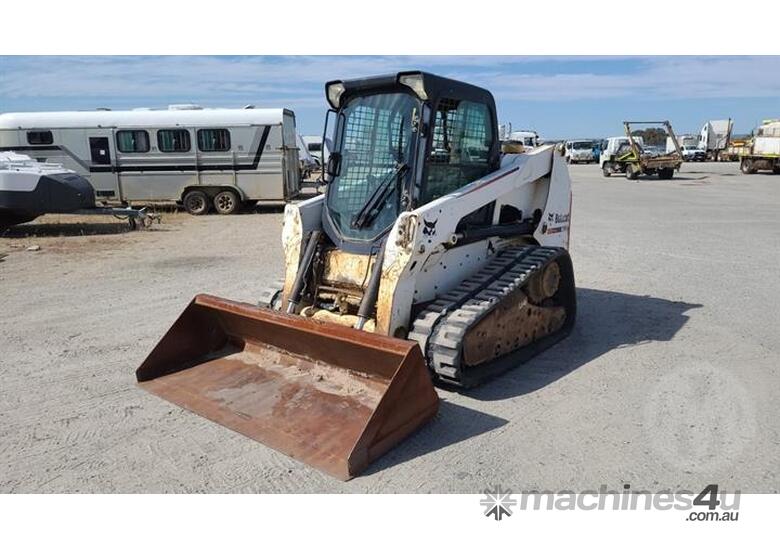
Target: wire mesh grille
376,136
460,152
371,142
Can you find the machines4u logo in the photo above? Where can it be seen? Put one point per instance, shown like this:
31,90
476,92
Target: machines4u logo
498,503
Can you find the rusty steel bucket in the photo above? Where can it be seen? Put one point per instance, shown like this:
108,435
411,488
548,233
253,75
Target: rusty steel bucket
327,395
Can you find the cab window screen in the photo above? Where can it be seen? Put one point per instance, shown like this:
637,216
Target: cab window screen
460,149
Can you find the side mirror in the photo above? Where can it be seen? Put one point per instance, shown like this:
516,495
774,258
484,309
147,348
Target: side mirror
334,165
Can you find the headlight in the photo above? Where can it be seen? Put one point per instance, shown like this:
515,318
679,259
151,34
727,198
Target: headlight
333,91
415,82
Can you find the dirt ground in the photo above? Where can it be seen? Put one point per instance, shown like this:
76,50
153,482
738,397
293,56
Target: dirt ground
670,379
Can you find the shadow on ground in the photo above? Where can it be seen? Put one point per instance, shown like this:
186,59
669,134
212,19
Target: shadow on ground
605,321
66,229
453,424
687,176
275,208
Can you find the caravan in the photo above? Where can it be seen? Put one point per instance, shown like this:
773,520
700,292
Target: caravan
201,158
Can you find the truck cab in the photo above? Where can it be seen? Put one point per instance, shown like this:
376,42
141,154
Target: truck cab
579,151
615,146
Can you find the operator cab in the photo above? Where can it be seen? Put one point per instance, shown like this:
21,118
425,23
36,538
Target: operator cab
401,141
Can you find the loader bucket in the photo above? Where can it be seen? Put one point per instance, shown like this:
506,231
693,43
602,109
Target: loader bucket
327,395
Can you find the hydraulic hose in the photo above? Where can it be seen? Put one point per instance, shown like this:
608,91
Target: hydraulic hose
372,291
303,271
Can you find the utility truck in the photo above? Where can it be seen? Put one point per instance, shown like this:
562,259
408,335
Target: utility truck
629,157
764,150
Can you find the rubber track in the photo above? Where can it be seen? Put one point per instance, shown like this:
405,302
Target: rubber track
441,327
270,296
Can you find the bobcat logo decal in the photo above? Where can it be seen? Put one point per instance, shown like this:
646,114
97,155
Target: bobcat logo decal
429,228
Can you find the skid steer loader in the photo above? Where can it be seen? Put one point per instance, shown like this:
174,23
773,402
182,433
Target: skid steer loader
430,257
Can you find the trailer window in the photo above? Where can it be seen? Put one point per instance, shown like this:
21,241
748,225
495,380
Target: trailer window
173,141
214,140
132,141
40,137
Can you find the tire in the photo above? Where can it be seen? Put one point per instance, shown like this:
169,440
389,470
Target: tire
606,170
746,166
196,203
631,174
226,202
665,173
776,169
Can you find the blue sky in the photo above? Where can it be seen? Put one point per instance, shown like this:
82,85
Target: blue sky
558,96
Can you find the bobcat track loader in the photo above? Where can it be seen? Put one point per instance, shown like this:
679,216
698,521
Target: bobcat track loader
430,258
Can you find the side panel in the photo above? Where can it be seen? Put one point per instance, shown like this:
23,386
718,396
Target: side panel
165,176
266,182
556,216
418,239
299,220
766,146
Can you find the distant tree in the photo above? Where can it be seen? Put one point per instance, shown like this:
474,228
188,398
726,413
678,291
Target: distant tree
651,136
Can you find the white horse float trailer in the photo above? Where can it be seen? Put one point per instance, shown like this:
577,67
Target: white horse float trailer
194,156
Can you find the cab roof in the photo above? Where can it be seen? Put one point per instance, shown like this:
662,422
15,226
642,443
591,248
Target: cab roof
435,86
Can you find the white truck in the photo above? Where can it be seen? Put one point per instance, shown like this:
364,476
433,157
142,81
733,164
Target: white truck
685,140
764,150
611,147
529,139
714,137
580,151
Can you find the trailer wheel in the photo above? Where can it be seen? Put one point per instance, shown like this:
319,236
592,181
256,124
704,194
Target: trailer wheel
226,202
196,203
776,169
747,167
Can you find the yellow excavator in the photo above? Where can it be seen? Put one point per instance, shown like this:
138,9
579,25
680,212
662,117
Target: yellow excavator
432,258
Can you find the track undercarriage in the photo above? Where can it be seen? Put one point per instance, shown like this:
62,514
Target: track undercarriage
516,306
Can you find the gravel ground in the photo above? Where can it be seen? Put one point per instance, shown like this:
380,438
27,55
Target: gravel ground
670,379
